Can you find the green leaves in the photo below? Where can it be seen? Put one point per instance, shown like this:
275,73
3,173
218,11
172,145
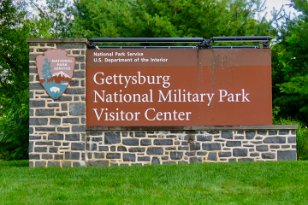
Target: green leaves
54,18
297,90
152,18
14,83
290,65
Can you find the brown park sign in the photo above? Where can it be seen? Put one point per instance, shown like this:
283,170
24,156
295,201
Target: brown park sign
178,87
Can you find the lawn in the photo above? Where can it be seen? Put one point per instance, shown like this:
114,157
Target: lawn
212,183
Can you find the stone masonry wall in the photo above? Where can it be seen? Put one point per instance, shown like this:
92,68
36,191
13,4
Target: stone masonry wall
57,127
173,147
58,134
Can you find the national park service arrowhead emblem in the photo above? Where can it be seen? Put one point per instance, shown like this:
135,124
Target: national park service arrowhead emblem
55,70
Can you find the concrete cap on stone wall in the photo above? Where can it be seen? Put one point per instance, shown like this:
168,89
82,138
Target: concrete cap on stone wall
57,40
198,128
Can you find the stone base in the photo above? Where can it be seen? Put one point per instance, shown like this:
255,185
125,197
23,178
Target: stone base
172,147
228,144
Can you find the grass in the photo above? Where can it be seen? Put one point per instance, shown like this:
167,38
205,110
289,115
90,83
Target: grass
214,183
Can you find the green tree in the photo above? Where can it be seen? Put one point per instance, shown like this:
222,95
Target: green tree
46,70
13,82
290,65
17,24
177,18
52,19
106,18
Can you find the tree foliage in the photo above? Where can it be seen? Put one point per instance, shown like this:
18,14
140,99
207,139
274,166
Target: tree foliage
290,66
13,82
52,19
178,18
17,24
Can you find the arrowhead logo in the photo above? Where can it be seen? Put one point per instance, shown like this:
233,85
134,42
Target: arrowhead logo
55,70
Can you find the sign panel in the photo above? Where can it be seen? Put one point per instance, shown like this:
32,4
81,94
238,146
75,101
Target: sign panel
55,70
178,87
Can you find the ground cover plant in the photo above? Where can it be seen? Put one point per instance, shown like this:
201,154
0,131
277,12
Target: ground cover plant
210,183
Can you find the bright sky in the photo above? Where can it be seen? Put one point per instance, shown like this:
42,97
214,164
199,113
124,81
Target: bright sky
270,4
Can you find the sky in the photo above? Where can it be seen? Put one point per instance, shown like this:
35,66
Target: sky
270,4
276,3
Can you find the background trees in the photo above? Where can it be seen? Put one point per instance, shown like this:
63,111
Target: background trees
13,81
290,66
205,18
20,20
50,18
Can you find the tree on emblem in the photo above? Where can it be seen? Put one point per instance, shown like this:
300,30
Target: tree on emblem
46,70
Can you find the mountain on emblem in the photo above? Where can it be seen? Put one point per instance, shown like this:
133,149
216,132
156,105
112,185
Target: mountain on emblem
55,71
